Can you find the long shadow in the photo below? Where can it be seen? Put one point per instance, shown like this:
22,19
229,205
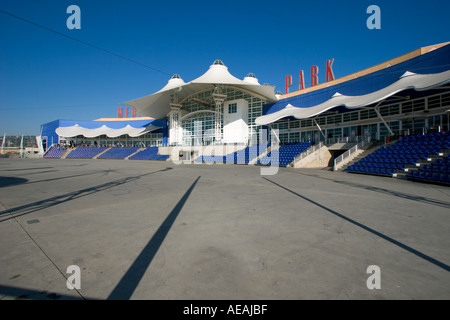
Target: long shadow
53,201
67,177
129,282
407,196
32,294
25,169
379,234
11,181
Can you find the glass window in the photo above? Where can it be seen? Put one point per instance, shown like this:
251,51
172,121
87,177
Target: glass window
232,108
294,124
407,107
434,102
419,105
321,121
306,123
395,109
446,99
364,114
294,137
350,116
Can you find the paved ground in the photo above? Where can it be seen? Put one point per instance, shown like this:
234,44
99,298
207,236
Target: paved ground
156,230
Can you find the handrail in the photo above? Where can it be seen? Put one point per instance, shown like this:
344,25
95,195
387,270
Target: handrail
351,151
310,150
345,139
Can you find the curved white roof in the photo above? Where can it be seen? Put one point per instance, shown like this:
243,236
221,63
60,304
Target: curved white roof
157,105
218,73
77,130
409,80
251,78
174,82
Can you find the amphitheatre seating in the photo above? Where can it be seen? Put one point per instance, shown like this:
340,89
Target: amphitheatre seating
118,153
286,154
82,152
437,171
151,153
407,151
55,152
243,156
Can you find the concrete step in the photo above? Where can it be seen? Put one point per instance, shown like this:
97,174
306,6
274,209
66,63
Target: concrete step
139,150
101,153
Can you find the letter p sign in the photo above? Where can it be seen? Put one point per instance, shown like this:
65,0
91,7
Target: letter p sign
73,281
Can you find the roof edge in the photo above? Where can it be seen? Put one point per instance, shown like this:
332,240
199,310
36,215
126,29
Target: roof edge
384,65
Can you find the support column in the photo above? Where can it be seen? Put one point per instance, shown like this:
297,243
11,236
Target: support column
174,121
384,122
320,129
218,99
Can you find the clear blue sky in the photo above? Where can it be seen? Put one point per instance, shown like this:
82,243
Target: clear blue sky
45,76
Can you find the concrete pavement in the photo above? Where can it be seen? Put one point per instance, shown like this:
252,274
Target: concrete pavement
156,230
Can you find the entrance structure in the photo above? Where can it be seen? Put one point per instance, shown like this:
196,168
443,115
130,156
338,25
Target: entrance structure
214,109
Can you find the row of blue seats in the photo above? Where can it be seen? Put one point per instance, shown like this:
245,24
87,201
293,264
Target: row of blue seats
408,150
377,171
430,176
284,155
438,171
404,160
436,168
150,153
118,153
55,152
360,166
243,156
82,152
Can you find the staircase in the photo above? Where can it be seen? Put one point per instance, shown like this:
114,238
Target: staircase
67,152
372,147
101,153
139,150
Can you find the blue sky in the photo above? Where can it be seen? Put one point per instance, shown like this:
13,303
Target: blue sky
45,76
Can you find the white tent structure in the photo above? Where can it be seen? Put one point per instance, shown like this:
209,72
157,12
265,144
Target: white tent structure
168,101
157,105
77,130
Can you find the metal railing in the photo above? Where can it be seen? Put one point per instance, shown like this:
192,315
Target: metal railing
310,150
351,151
356,139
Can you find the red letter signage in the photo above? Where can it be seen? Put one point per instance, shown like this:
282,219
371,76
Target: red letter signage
301,81
288,82
330,73
314,76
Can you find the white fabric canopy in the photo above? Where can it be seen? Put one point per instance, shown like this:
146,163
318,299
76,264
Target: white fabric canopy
76,130
409,80
157,105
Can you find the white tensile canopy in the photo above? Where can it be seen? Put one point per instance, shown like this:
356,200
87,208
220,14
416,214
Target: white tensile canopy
409,80
157,105
76,130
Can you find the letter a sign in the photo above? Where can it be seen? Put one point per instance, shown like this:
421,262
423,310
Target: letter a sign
74,21
374,21
74,280
374,281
